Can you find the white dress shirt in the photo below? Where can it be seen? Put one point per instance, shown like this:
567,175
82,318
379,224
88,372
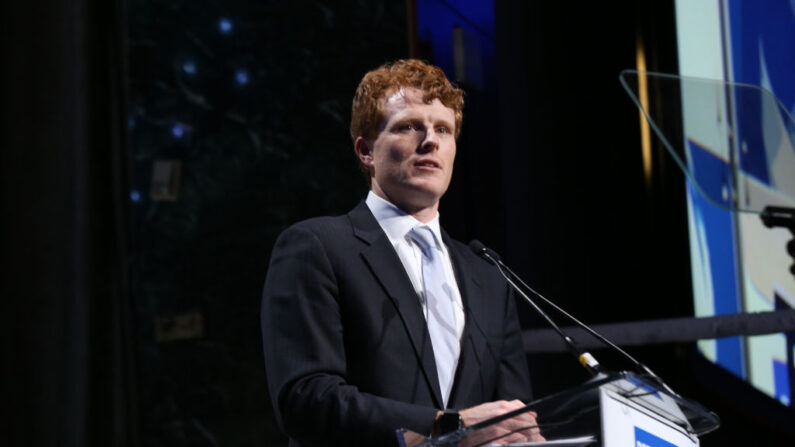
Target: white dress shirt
396,223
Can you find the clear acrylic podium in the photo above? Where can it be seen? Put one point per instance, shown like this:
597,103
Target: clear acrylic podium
619,409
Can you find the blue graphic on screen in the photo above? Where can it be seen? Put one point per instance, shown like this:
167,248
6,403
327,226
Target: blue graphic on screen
712,174
735,266
763,53
781,380
784,369
762,43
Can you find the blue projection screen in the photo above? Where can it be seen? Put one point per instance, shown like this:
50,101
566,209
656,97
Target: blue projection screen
738,265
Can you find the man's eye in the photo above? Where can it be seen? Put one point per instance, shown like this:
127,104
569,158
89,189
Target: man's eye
406,127
443,130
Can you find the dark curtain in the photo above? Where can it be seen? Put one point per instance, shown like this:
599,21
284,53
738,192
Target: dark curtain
65,366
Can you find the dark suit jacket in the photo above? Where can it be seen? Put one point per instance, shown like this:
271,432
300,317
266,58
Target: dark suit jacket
347,353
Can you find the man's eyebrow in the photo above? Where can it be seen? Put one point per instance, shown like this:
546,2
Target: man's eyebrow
446,122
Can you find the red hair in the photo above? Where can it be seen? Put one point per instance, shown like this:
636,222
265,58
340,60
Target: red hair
368,102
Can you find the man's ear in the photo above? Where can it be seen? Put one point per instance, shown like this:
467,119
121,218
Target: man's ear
364,150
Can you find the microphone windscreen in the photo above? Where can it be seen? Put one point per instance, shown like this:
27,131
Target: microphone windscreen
484,252
477,247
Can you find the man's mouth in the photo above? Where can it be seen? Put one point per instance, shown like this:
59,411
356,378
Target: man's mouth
427,164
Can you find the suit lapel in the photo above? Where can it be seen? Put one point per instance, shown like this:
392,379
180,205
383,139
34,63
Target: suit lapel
473,341
385,265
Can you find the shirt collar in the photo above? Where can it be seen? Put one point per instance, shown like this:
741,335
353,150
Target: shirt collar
395,222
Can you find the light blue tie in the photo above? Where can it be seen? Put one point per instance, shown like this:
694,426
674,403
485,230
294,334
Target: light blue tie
439,302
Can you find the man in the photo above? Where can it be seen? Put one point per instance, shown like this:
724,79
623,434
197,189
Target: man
377,320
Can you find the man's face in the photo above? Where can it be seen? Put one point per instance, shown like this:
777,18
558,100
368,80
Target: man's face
411,159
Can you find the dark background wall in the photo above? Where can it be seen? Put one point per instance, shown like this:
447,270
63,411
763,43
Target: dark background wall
132,296
65,377
253,100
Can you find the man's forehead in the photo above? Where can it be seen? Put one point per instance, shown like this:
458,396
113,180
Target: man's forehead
405,95
402,100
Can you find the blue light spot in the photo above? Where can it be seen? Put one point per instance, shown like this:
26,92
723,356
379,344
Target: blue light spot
225,25
178,130
241,77
131,122
135,196
189,67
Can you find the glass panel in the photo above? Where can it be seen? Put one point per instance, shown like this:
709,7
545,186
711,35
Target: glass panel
574,414
734,142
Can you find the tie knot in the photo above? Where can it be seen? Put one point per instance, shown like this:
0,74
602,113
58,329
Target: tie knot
424,237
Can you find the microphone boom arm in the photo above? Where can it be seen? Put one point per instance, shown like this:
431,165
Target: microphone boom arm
583,357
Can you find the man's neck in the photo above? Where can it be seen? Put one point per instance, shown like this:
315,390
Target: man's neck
423,214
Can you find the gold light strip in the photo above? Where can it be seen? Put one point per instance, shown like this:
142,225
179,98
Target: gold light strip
643,93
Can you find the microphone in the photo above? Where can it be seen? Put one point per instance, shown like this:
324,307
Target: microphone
484,252
585,358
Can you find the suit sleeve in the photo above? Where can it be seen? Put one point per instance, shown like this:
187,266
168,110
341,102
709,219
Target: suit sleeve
305,357
514,380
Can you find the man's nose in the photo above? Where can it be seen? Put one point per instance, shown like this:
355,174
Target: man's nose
430,141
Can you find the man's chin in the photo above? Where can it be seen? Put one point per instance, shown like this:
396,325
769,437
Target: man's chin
424,197
414,195
428,187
